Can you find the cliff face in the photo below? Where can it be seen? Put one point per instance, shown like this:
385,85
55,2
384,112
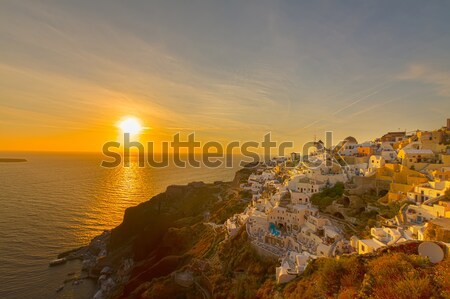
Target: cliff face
179,204
150,220
160,233
171,233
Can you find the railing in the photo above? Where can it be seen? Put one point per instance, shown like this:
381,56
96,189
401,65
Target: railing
433,200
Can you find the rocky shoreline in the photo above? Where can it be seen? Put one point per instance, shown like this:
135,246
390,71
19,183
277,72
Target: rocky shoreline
92,268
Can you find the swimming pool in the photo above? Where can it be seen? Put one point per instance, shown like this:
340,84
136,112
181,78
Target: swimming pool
273,230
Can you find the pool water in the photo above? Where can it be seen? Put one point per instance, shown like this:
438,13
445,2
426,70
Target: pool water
273,230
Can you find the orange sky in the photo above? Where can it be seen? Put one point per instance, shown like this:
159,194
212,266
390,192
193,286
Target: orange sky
70,72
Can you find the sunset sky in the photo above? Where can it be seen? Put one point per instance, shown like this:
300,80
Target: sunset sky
227,70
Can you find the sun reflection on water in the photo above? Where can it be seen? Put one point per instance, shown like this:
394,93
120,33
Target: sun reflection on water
120,188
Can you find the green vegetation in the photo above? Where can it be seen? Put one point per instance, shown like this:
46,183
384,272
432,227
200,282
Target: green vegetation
368,219
327,196
243,269
390,210
391,275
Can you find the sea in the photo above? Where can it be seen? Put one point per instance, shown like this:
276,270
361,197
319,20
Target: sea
55,202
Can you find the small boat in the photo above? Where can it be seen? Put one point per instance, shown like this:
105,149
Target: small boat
58,262
60,288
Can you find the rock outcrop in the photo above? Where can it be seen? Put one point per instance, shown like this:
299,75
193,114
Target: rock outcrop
164,236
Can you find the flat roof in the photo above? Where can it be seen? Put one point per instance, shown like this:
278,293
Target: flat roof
418,151
372,243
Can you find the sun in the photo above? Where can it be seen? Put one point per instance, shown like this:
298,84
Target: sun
130,125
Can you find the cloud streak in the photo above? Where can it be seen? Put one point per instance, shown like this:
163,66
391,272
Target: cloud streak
440,80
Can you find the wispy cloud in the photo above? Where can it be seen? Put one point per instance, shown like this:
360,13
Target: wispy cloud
377,105
426,74
355,100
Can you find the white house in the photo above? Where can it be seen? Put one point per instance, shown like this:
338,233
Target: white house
349,147
409,157
298,197
387,152
428,190
387,235
422,212
368,245
381,236
290,218
375,162
292,264
310,186
257,224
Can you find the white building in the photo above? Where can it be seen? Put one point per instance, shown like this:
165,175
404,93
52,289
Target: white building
290,218
387,152
298,197
234,223
292,264
368,245
356,170
422,212
375,162
327,174
408,157
257,224
350,147
309,186
430,190
381,236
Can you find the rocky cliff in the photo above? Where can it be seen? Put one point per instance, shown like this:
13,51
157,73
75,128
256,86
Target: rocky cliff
178,231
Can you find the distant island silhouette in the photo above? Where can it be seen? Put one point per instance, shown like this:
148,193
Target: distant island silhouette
8,160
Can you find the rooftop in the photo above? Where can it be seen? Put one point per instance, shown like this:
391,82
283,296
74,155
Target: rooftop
417,151
372,243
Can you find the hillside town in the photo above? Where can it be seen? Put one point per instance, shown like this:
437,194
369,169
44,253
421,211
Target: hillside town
390,190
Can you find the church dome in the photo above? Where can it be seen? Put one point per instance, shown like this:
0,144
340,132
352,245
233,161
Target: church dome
350,139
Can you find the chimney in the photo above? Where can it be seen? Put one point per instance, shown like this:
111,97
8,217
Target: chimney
448,123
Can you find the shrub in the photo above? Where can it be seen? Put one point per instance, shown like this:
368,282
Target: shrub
329,276
327,196
410,287
385,276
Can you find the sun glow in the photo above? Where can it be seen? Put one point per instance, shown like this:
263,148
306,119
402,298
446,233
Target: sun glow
130,125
